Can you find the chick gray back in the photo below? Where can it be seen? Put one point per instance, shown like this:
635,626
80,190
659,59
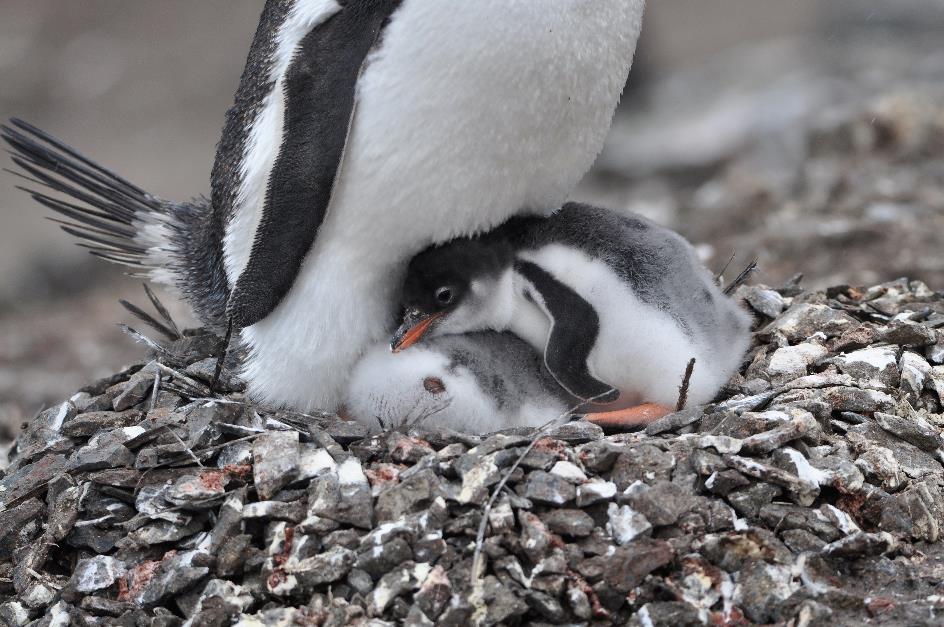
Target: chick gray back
505,367
659,265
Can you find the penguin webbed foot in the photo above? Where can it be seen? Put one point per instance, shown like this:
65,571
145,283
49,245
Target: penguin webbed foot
629,418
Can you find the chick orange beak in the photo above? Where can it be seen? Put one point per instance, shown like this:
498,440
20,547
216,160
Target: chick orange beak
412,330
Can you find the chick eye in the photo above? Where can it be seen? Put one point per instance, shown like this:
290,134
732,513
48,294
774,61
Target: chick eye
444,296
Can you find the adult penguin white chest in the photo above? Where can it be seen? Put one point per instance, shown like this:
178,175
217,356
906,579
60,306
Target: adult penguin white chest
365,131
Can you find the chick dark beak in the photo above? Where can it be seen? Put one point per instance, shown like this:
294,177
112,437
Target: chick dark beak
414,327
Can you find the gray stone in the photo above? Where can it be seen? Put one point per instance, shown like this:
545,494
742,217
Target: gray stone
762,300
802,320
880,466
275,510
791,362
328,567
105,450
411,495
595,491
573,523
875,365
912,429
134,391
917,512
860,545
275,457
662,503
762,589
549,489
434,593
645,463
628,565
173,575
577,432
626,524
18,526
96,573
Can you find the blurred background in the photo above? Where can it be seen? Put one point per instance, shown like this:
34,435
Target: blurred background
808,134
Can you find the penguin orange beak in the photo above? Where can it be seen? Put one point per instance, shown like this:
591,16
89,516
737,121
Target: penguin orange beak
414,327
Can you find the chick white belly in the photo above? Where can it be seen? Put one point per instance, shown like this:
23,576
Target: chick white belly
640,349
462,121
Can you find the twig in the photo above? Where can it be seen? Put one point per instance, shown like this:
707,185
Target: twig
719,278
192,383
154,346
686,382
741,278
208,449
154,390
184,444
483,525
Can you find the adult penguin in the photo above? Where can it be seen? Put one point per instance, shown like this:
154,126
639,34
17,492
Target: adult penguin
363,131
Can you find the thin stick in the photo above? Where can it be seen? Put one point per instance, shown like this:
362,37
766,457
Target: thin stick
169,463
154,346
191,383
154,390
686,382
483,525
720,276
184,444
741,278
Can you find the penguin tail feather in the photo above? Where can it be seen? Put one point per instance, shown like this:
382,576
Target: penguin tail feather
114,219
175,244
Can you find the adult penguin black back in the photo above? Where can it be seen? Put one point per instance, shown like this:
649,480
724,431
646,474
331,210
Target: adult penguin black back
363,132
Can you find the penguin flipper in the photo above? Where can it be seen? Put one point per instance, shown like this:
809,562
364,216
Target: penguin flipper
575,326
320,96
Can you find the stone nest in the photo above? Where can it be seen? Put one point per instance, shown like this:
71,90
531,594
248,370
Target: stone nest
811,492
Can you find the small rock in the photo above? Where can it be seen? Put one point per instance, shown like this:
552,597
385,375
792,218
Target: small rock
18,526
912,429
791,362
765,301
661,504
876,365
914,373
646,463
577,432
762,588
413,494
860,545
135,390
569,472
629,564
594,491
275,456
573,523
803,320
549,489
97,573
626,524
